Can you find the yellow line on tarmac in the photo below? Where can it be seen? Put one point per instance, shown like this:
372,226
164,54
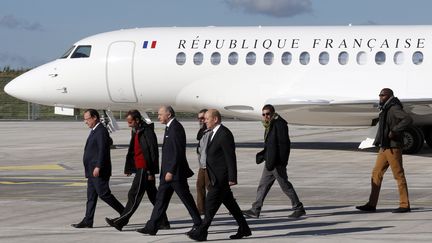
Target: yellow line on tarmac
77,184
14,183
27,182
81,178
32,167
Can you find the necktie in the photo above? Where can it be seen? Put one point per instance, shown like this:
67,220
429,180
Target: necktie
210,137
165,134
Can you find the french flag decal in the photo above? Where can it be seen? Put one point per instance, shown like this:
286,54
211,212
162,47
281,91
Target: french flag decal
152,44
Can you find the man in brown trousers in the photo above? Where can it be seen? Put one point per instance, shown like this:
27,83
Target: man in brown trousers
393,120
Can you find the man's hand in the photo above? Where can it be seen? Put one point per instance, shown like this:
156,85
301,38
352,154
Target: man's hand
150,177
232,183
168,177
96,172
128,174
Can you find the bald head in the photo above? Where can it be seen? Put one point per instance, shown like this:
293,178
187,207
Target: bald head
212,118
385,95
165,114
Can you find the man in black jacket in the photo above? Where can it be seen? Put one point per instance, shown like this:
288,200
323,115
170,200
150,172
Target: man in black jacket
97,166
143,160
222,171
393,120
276,152
174,172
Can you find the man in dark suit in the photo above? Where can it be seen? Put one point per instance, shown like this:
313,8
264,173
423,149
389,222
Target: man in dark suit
222,171
97,166
276,152
174,172
142,159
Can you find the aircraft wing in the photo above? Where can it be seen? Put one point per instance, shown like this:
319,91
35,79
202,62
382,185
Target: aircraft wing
420,106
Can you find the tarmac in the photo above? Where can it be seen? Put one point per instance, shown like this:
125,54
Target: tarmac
43,189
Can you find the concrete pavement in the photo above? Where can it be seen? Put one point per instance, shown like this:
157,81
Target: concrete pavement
42,189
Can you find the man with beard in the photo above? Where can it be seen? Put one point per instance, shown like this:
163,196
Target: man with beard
142,159
276,152
393,120
203,181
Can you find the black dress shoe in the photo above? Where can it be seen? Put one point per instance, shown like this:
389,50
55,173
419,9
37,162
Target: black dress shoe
164,226
401,210
251,213
113,224
198,236
82,225
297,213
191,231
366,208
241,234
146,231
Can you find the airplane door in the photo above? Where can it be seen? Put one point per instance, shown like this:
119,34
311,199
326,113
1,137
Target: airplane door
119,73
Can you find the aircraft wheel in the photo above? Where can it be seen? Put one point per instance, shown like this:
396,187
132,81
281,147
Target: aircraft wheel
427,131
413,140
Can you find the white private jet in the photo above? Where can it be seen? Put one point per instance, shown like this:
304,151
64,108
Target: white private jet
312,75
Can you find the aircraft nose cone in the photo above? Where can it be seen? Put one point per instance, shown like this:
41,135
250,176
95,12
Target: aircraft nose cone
10,89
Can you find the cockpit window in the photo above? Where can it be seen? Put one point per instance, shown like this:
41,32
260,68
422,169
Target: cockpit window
81,51
68,52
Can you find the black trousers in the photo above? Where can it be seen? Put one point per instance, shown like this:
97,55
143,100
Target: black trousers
99,186
216,196
163,197
140,185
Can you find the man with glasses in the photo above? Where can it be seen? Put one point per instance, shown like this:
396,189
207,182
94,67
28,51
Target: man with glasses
276,152
203,181
393,120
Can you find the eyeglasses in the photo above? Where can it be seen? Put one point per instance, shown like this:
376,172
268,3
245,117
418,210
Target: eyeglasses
381,95
200,118
266,114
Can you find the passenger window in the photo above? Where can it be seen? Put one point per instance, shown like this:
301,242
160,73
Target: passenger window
233,58
181,58
198,58
286,58
380,58
215,58
82,52
251,58
417,58
362,58
68,52
304,58
343,58
399,58
324,58
268,58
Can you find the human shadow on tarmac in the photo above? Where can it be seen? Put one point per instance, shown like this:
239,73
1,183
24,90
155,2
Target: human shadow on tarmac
343,146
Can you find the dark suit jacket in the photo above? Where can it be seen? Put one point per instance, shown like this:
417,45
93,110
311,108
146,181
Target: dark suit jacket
221,158
97,152
174,153
277,145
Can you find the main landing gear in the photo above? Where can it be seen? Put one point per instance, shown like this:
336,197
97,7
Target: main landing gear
414,138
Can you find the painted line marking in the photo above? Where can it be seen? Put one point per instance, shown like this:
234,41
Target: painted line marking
33,167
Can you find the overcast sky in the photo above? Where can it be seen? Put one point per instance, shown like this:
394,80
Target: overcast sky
34,32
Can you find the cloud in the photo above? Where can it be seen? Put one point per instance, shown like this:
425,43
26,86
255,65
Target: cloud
275,8
11,22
